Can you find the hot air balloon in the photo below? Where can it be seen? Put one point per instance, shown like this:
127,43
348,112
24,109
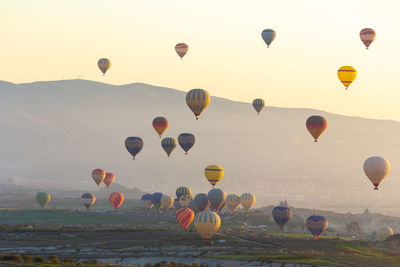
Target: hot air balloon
216,197
98,176
134,144
268,36
168,144
193,207
146,201
207,224
184,200
367,36
88,200
281,215
166,202
316,125
177,205
181,49
185,217
214,174
104,64
182,190
116,199
201,201
156,199
258,104
232,201
317,225
197,100
383,233
376,169
160,124
347,74
43,198
222,207
247,200
110,177
186,141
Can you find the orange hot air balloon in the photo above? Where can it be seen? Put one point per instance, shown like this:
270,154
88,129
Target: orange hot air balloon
316,125
160,124
98,176
110,177
181,49
116,199
185,217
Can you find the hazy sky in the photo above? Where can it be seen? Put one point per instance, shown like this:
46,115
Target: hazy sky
52,40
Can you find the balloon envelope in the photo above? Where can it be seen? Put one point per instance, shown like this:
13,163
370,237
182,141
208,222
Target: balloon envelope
43,198
258,104
316,125
247,200
182,190
146,201
104,64
376,169
193,207
317,225
88,200
160,124
181,49
197,100
216,197
134,145
156,199
367,36
233,202
116,199
167,202
214,174
383,233
110,177
268,36
168,144
207,224
98,176
186,141
281,215
347,74
184,200
185,217
201,201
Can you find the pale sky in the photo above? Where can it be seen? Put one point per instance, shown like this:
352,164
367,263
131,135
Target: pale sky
63,39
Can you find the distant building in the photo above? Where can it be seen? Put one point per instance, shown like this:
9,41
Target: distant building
355,230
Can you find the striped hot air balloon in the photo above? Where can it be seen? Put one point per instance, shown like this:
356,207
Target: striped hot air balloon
347,75
216,197
104,64
258,105
233,202
207,224
184,200
197,100
166,202
146,201
168,144
183,190
98,176
186,141
268,36
367,36
181,49
247,200
281,215
317,225
88,200
134,145
160,124
116,199
110,178
214,174
316,125
185,217
43,198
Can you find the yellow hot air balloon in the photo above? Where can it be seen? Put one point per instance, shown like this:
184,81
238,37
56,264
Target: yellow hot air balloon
214,174
166,202
347,74
104,64
197,100
383,233
207,224
247,200
376,169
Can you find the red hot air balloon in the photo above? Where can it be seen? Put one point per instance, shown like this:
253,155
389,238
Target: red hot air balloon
316,125
185,217
160,124
98,176
116,199
110,177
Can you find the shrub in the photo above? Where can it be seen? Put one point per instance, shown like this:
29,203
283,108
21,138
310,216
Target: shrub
27,258
54,259
68,260
39,259
94,261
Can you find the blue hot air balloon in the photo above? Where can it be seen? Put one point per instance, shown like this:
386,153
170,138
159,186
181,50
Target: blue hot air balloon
186,141
134,144
281,215
317,225
156,199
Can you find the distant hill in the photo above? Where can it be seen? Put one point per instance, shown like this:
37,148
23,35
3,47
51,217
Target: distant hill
55,133
130,193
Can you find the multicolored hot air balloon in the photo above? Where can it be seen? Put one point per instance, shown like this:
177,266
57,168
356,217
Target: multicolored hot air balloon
281,215
247,200
181,49
186,141
160,124
183,190
376,169
104,64
88,200
207,224
367,36
316,125
216,197
258,105
110,177
185,217
201,201
98,176
166,202
316,225
168,144
383,233
43,198
134,145
197,100
116,199
184,200
214,174
268,36
347,74
156,199
146,201
233,202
